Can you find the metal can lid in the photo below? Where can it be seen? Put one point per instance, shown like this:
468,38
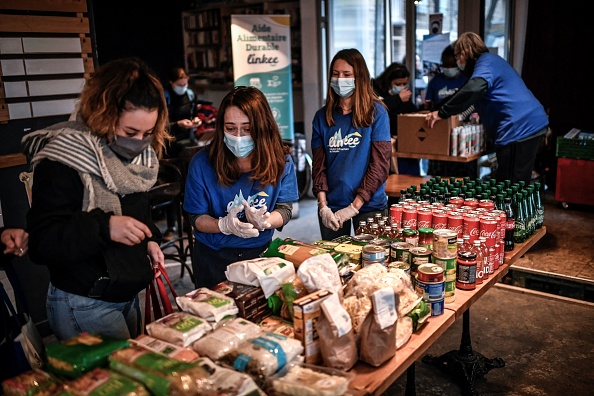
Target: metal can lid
363,237
420,250
425,230
467,255
409,232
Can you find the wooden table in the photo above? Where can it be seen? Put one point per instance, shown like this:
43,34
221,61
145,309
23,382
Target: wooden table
395,183
375,380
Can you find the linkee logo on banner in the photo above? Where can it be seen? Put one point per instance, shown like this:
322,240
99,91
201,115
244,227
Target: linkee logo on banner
262,59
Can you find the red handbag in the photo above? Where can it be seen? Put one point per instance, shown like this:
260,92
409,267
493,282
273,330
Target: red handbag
157,299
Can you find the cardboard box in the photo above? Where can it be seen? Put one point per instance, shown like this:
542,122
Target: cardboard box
307,311
249,299
415,136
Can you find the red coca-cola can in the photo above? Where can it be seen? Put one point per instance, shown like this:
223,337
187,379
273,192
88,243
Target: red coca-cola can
396,215
456,223
424,203
492,254
500,214
501,251
496,257
424,218
471,226
488,229
440,220
472,202
456,201
409,217
486,204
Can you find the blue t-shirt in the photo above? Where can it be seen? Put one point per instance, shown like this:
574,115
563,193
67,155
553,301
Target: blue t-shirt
509,111
440,87
348,151
204,195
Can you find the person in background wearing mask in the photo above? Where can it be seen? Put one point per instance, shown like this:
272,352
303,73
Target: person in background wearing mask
351,148
441,87
398,98
445,84
89,221
514,119
240,187
183,112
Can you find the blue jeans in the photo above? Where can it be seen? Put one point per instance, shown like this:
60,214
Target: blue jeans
70,314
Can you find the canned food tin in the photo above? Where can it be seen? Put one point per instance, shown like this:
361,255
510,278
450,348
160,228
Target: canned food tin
450,291
399,265
400,251
362,239
448,264
430,273
365,263
383,243
373,253
445,243
418,256
430,291
409,217
437,307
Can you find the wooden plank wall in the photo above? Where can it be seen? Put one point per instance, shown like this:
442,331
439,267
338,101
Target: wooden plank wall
46,53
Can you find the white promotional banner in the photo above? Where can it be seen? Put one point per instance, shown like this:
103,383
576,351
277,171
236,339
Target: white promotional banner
262,59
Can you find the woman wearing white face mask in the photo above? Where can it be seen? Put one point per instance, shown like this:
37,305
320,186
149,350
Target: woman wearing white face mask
240,188
181,104
351,148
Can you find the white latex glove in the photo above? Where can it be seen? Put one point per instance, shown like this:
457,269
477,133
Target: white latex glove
230,224
345,214
258,217
329,219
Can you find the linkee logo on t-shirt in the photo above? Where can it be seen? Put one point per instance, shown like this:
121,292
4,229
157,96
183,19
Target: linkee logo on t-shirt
338,143
257,201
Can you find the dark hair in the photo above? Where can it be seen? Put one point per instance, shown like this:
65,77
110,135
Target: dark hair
123,85
448,56
268,159
176,73
383,82
398,71
363,98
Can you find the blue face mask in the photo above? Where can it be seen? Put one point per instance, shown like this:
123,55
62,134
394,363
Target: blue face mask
240,146
451,72
344,87
396,89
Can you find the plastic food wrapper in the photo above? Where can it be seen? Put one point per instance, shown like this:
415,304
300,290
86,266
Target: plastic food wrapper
294,251
320,272
275,324
262,356
81,354
208,304
179,328
166,376
226,338
33,382
404,330
266,272
302,379
290,290
105,382
165,348
419,314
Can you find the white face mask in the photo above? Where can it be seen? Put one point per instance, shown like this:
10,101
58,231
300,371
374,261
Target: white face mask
397,89
460,66
180,89
344,87
451,72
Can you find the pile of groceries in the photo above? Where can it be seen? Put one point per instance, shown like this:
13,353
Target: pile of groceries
298,319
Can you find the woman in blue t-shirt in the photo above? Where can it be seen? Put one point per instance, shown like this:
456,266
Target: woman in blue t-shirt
351,148
240,188
514,119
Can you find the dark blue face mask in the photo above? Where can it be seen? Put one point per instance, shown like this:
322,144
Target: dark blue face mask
129,148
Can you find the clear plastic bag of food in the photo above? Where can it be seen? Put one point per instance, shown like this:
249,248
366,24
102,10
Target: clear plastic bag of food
302,379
